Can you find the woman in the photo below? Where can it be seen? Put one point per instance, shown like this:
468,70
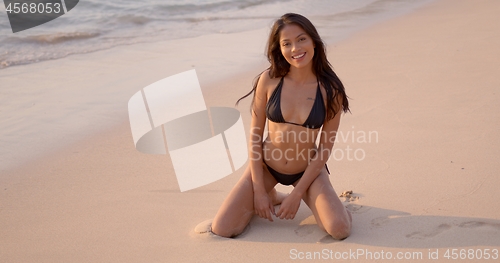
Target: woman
299,93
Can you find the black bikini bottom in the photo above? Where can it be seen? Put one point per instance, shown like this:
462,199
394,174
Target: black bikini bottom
287,179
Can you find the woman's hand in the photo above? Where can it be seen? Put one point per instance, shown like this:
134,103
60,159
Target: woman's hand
263,206
289,206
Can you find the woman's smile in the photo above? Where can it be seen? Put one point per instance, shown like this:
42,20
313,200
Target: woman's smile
299,56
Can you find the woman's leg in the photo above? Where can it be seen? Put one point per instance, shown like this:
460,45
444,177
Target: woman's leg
327,208
237,209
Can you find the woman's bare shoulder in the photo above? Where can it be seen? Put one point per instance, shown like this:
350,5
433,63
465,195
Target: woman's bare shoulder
267,82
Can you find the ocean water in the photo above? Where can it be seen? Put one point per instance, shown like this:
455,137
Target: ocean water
95,25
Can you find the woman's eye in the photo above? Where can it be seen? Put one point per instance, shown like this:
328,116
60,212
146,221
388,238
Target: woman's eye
302,39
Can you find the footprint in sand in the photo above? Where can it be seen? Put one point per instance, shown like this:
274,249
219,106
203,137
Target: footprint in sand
422,235
379,221
327,240
474,224
443,227
356,209
304,230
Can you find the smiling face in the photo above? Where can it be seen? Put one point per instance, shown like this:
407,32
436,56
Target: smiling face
296,46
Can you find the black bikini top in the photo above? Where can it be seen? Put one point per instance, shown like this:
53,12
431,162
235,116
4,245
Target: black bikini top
314,120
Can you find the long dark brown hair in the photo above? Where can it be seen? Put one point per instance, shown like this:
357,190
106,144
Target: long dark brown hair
321,67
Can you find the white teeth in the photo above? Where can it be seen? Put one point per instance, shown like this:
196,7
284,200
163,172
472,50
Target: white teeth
299,56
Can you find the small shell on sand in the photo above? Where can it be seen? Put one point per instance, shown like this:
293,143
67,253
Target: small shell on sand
349,197
346,194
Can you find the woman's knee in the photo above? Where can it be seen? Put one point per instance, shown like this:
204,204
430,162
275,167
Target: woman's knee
221,232
339,228
224,230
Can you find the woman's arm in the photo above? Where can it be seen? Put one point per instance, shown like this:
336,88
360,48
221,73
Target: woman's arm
262,202
257,125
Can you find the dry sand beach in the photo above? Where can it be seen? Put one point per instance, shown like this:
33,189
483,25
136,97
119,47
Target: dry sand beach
426,84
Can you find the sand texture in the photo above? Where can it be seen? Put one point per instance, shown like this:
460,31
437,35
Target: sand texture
425,85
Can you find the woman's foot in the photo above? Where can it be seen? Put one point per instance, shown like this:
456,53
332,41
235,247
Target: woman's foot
277,197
